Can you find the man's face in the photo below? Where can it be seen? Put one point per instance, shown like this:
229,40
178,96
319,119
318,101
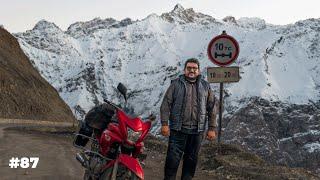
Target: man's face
192,70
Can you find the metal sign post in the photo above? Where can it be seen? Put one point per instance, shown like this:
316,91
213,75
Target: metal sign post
220,112
223,50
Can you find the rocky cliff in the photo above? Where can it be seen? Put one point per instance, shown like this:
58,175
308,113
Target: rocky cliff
24,94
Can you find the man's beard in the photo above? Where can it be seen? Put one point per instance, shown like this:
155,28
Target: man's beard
191,79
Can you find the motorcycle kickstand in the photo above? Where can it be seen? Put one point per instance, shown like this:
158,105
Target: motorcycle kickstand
114,170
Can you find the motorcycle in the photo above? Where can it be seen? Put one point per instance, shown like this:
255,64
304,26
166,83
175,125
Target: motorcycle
116,152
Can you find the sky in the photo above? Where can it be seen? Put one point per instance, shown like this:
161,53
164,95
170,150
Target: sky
22,15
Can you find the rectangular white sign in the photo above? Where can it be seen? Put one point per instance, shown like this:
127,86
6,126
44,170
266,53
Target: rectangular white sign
223,74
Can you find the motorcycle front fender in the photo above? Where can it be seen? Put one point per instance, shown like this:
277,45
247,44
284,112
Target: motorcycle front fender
132,164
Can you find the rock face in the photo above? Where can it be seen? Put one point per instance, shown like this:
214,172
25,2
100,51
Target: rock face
281,133
231,162
24,94
182,16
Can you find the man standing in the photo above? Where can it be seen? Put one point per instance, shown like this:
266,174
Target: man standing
186,108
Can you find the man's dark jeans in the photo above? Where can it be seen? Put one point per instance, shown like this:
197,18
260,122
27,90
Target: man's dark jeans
180,144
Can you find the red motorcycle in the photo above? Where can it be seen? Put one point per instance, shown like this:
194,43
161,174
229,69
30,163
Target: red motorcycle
115,152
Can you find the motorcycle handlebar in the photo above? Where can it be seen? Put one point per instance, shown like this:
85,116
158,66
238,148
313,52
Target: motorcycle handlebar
111,103
151,117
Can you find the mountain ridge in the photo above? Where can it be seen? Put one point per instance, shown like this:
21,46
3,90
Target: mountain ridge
171,38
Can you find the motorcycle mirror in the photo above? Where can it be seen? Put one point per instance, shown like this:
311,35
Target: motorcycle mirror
123,90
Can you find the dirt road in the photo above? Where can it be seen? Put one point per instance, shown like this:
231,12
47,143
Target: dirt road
57,156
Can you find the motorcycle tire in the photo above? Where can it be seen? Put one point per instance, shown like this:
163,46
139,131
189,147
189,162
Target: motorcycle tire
88,176
123,173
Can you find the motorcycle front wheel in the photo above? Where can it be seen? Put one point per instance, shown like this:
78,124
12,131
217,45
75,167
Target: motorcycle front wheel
123,173
88,176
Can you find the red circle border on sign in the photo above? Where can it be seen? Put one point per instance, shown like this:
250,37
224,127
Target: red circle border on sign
233,41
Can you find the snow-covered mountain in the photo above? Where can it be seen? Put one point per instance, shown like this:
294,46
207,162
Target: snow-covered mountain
86,62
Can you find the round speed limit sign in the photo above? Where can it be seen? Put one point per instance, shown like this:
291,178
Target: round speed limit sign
223,50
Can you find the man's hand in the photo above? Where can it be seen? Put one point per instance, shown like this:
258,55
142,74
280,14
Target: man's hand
165,131
211,135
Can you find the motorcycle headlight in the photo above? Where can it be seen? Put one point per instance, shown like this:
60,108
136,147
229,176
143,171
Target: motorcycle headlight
133,136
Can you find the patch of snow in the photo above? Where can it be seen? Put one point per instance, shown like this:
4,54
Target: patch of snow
312,147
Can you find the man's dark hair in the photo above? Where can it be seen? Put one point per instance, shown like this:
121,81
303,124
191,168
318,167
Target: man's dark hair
192,60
